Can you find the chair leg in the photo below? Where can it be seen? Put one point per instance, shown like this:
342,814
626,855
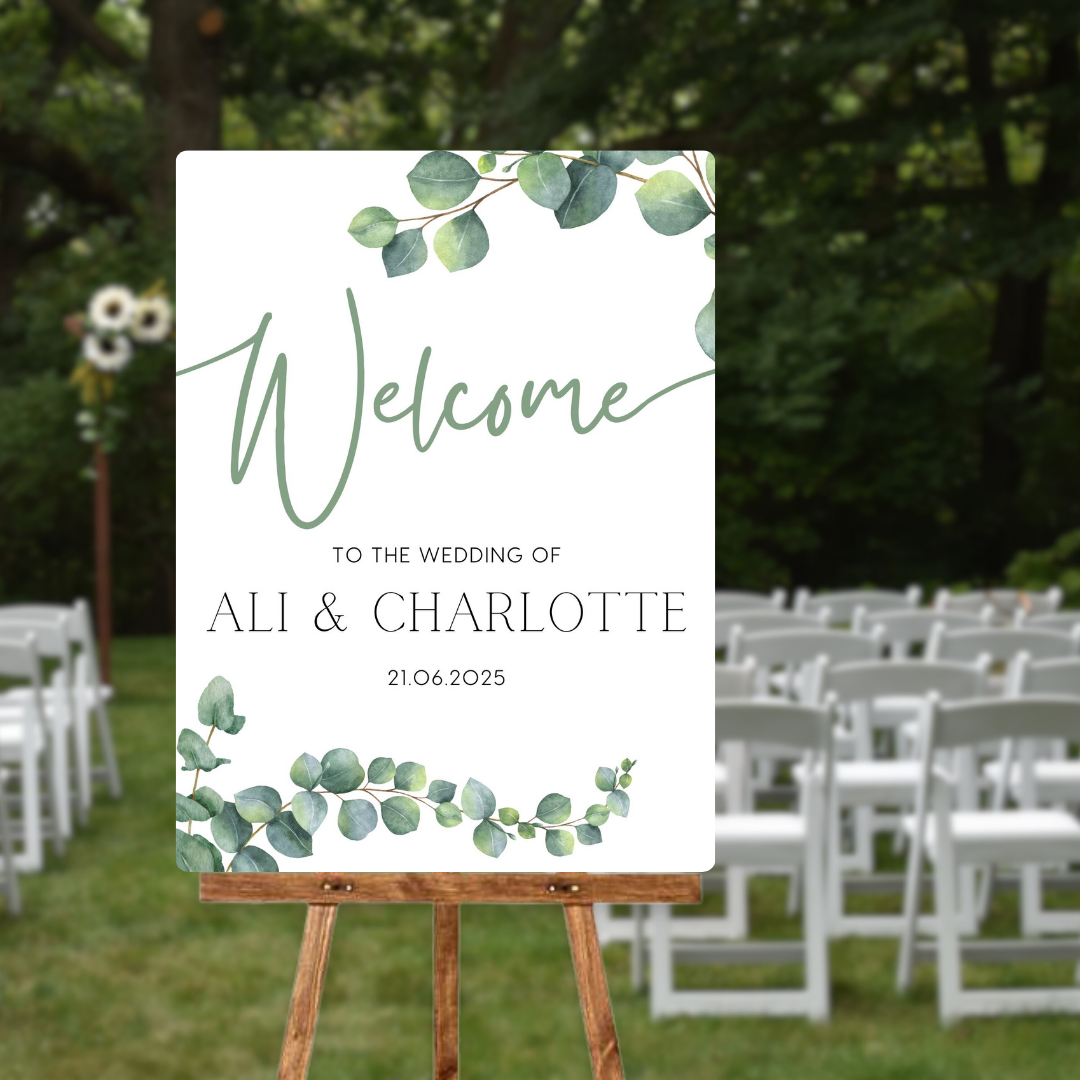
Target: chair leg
112,766
736,901
661,961
905,962
1031,899
7,854
815,930
637,948
950,976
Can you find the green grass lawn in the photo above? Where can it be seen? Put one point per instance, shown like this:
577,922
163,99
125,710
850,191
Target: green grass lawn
116,972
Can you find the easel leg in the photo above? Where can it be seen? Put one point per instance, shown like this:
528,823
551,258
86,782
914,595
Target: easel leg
307,992
593,991
447,925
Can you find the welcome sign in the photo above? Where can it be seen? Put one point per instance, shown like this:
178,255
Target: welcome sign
445,511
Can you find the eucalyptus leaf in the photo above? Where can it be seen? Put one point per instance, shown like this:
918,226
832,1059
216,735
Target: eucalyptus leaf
341,771
508,815
705,328
670,203
710,246
400,815
230,830
477,801
544,179
216,706
191,855
356,818
409,776
656,157
209,798
616,160
625,780
406,253
196,754
588,834
619,803
441,791
257,804
489,838
597,814
605,778
526,831
447,815
462,242
373,227
626,764
440,180
253,860
559,841
288,836
306,771
189,810
553,809
486,163
592,189
381,770
710,172
219,864
309,808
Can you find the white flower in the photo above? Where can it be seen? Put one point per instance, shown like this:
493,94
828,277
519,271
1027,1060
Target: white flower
109,354
112,307
152,321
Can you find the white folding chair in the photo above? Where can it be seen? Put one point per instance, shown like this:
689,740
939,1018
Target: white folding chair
1064,622
1003,602
754,620
952,838
9,872
764,839
901,630
843,603
91,694
738,600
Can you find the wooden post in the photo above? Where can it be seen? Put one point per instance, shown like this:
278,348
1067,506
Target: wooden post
447,955
103,560
307,991
593,992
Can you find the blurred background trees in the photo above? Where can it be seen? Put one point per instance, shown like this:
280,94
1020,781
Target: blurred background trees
898,386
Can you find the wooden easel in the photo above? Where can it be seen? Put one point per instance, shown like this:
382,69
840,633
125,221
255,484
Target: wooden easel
576,892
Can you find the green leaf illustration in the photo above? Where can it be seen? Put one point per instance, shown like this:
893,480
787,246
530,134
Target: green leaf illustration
626,764
597,814
656,157
544,179
404,254
253,860
230,830
309,808
219,864
381,770
710,172
288,836
526,831
625,780
592,189
196,754
209,798
441,791
400,815
605,779
588,834
616,160
356,818
447,815
341,771
486,163
410,777
670,203
559,841
477,801
216,706
619,803
191,855
440,180
306,771
705,328
489,838
462,242
509,816
373,227
710,246
189,810
258,804
553,808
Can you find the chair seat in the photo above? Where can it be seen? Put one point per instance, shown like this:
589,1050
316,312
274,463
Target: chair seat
1015,836
872,782
12,734
765,839
1054,780
721,775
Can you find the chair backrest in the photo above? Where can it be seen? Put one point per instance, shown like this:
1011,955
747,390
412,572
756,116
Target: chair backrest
1059,677
735,680
1003,602
757,619
51,632
1062,621
1000,644
869,679
737,600
763,721
771,648
965,723
19,658
907,627
843,603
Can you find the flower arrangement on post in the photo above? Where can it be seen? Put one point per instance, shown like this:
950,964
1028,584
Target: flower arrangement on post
115,322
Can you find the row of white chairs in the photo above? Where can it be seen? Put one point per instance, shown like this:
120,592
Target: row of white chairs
46,733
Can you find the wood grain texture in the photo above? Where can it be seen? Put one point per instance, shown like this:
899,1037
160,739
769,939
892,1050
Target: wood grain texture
593,991
569,889
307,992
447,954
